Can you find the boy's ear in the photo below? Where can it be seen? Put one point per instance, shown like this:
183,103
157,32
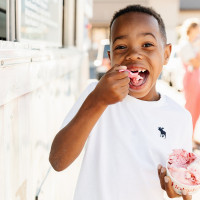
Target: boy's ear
167,53
108,52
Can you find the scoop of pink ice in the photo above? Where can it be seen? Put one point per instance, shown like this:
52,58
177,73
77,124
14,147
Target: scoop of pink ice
133,75
184,167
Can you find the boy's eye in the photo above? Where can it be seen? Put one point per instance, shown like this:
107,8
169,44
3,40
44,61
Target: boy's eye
147,45
120,47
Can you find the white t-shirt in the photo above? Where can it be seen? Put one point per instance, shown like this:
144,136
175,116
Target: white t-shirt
126,145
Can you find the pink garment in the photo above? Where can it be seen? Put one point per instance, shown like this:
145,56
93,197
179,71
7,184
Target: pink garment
191,84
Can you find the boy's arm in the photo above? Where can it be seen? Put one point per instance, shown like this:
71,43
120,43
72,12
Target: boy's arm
69,142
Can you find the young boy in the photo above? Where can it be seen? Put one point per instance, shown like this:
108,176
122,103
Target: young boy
130,128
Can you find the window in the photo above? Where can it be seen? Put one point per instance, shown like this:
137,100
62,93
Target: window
2,19
40,21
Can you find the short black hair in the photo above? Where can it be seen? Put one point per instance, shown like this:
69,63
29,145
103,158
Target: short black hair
142,9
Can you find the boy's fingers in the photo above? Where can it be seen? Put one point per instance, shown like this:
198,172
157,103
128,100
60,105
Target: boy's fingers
169,189
159,169
124,94
125,88
125,82
186,196
117,68
120,67
161,176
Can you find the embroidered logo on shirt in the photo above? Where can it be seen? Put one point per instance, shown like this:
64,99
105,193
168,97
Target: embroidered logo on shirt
162,132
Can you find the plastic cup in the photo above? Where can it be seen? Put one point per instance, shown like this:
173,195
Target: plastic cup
179,187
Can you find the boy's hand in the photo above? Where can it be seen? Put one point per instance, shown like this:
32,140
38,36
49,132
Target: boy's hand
166,184
113,86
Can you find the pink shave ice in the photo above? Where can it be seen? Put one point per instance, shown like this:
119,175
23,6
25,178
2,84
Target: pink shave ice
133,75
184,167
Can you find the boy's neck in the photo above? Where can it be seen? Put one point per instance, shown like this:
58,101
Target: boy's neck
154,97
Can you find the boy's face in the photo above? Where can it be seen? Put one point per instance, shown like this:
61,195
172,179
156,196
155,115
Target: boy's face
136,42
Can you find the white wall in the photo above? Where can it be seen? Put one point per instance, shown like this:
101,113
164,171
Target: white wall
37,90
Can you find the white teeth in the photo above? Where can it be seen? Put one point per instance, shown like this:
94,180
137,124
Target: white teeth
141,70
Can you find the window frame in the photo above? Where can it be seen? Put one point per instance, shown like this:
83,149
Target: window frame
39,43
3,10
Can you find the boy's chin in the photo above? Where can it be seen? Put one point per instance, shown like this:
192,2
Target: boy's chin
136,95
143,95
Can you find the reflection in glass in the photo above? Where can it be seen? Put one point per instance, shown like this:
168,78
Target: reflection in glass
41,21
2,19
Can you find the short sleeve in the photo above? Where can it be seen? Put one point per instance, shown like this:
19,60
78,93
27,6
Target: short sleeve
78,104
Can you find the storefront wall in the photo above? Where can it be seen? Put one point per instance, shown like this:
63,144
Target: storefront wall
39,82
37,90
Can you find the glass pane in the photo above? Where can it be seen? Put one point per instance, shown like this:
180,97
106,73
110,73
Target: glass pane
106,49
2,19
3,4
41,21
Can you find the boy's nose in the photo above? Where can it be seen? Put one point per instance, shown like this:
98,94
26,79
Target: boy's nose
133,55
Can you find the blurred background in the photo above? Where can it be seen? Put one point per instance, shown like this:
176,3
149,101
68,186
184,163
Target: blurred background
49,51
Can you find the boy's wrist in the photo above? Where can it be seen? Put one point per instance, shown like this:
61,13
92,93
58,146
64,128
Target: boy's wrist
96,101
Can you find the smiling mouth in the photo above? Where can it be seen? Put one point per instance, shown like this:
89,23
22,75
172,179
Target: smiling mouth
138,77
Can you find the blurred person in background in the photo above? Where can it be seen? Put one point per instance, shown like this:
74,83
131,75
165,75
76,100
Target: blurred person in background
190,56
